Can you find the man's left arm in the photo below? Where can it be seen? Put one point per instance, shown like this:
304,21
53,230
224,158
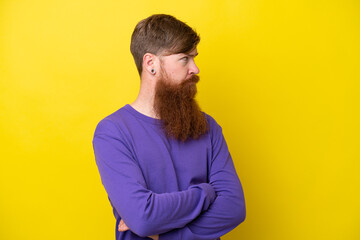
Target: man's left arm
228,209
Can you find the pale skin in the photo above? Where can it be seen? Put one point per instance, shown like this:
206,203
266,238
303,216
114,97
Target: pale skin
178,67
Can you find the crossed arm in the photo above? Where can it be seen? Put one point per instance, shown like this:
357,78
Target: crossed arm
204,211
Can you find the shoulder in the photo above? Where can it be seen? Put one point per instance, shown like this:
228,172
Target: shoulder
113,122
216,136
211,121
214,128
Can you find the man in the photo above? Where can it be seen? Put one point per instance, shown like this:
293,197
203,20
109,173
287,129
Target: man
165,164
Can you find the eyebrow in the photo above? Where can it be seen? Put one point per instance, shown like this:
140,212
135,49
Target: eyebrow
193,55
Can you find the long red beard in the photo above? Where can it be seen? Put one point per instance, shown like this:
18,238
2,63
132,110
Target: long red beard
178,110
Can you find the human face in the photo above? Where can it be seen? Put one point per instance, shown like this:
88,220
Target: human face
179,67
174,100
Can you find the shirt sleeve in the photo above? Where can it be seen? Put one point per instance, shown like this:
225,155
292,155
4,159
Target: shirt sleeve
228,209
144,212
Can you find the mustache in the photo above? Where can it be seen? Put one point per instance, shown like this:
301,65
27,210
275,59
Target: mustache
192,79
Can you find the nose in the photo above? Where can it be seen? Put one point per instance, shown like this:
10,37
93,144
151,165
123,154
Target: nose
194,69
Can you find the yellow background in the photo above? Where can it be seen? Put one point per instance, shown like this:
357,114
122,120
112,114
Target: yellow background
281,77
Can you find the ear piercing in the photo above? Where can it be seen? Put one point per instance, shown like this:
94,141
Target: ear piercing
153,71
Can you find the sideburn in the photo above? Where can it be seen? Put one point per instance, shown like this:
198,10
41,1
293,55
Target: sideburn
180,113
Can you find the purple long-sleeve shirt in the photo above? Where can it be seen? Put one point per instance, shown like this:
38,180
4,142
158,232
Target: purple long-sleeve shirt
159,185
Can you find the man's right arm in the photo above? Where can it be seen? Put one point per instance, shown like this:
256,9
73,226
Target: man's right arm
144,212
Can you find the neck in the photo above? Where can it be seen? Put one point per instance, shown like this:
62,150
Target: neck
144,102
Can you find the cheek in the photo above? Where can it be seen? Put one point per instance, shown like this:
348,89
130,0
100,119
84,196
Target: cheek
178,74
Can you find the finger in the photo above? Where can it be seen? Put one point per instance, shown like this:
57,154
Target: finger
122,226
154,237
121,223
122,229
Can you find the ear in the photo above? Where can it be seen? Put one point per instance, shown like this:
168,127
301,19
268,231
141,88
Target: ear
149,63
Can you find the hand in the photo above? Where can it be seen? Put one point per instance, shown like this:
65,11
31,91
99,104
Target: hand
122,228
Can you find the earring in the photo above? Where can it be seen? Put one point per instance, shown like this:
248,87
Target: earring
153,71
